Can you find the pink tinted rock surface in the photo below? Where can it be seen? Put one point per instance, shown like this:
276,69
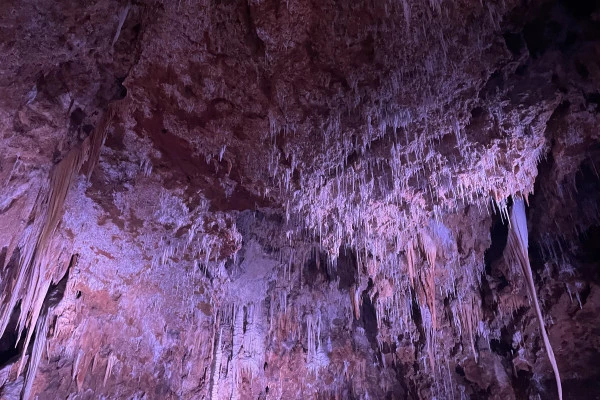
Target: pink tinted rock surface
264,199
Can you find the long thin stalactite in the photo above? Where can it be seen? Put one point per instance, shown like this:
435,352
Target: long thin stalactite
517,245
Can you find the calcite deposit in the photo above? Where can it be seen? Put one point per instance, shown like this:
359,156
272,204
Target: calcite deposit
242,199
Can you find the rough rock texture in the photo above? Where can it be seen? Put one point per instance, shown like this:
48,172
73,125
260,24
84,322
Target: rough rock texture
299,199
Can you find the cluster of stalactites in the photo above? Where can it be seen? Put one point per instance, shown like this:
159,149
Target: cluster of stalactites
43,261
424,272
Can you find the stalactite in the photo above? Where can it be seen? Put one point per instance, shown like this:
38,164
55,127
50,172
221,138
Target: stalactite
112,359
517,248
429,247
469,315
41,329
326,119
216,365
122,17
38,262
355,299
410,260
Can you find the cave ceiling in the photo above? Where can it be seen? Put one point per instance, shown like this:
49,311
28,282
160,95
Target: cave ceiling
241,199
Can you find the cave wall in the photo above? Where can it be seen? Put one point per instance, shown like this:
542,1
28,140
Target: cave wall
265,199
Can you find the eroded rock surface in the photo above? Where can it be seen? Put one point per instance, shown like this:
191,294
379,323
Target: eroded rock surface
266,199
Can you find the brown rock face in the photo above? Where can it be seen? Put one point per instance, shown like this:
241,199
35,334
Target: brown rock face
297,199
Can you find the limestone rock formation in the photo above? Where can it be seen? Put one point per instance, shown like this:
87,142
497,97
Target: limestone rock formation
241,199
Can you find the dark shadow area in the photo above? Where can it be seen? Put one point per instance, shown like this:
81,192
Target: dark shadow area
316,268
590,253
499,236
368,316
580,9
10,349
346,268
